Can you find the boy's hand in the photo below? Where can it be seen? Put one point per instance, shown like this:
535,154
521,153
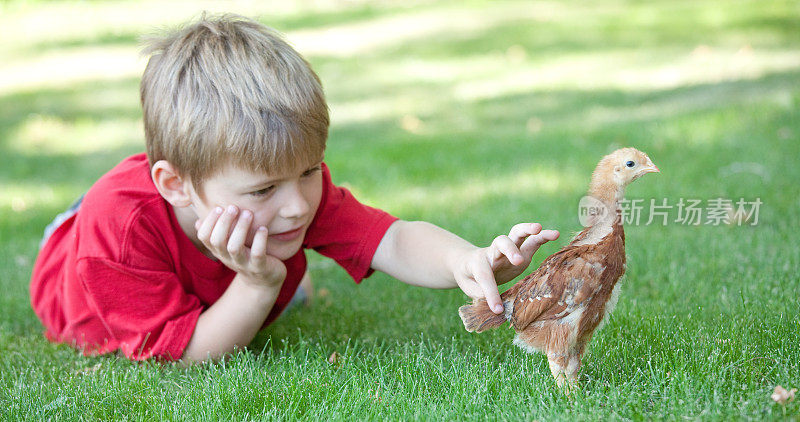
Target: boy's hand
481,270
224,233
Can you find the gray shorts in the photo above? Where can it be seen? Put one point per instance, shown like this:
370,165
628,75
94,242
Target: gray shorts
60,219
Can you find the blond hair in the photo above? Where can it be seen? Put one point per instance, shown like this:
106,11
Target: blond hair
229,90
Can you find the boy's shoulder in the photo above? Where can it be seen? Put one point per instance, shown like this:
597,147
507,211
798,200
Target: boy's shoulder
133,172
124,189
122,203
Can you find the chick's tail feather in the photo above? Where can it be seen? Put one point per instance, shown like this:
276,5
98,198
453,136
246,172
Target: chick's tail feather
477,317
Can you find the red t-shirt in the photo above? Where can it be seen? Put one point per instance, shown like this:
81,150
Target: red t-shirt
122,275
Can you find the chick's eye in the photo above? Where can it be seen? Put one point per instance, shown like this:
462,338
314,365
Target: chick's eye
630,164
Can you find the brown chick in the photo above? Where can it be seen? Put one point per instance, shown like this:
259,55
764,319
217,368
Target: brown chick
556,309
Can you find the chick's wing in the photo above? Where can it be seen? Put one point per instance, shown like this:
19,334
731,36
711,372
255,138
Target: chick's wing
563,283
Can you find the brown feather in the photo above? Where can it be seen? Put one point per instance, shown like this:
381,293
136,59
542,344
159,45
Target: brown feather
477,317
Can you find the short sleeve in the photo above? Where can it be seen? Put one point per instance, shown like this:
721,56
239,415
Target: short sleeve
346,230
147,313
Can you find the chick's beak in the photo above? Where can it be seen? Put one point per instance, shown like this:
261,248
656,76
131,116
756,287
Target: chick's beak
651,168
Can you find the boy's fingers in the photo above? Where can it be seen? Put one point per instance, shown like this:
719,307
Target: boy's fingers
221,232
503,245
485,278
236,246
531,244
471,288
258,251
520,232
207,225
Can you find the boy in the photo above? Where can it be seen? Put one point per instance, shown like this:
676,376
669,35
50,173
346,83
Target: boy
186,252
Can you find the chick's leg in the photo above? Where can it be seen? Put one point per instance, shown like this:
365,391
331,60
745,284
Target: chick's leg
557,365
571,371
565,368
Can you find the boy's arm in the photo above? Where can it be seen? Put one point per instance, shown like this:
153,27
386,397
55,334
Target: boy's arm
235,318
423,254
232,321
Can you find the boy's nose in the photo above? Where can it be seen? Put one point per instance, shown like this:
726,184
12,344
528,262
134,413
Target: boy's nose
295,205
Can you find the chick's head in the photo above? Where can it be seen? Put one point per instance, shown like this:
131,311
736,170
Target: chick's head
628,164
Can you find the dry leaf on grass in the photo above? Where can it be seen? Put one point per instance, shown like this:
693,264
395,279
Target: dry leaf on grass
335,359
780,395
377,395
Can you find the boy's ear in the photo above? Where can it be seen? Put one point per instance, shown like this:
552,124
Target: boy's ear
170,184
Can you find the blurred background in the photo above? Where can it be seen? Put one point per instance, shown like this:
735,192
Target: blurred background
502,84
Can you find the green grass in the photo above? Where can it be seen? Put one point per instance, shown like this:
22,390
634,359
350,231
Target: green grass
472,116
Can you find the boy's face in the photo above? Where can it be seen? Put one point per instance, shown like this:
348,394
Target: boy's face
284,203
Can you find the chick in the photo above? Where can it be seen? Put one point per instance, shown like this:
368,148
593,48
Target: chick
556,309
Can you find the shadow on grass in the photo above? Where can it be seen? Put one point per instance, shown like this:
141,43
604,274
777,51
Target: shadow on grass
595,28
282,23
499,148
91,102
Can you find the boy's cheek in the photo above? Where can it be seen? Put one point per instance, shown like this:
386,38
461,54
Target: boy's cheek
203,211
259,219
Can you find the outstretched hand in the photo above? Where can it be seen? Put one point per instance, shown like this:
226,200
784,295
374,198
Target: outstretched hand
507,257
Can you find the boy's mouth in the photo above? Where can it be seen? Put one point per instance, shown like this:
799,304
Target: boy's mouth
288,235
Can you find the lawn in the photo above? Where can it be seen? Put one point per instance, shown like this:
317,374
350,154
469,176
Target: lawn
474,116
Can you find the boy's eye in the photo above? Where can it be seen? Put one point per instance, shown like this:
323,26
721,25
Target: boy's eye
262,192
311,171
